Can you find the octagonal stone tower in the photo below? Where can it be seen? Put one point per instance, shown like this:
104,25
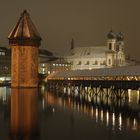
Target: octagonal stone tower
24,41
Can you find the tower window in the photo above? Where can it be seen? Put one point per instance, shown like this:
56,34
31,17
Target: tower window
110,46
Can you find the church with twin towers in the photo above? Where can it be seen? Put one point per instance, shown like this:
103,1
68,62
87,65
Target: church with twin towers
111,55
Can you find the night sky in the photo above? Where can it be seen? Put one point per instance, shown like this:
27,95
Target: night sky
87,21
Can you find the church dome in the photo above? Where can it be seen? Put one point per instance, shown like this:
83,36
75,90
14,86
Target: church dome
111,35
120,37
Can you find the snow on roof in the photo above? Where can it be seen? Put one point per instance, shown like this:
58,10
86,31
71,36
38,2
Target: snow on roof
119,71
96,51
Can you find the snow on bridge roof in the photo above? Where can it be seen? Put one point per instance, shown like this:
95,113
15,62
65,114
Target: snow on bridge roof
119,71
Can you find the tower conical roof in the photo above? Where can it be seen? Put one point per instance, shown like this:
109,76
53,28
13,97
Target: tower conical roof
25,32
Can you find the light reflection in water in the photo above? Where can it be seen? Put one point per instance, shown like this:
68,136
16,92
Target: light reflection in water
113,120
24,113
92,112
115,114
120,121
96,114
101,112
135,123
107,118
43,104
102,116
4,94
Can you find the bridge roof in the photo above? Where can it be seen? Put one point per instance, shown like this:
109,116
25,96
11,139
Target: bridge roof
120,71
88,52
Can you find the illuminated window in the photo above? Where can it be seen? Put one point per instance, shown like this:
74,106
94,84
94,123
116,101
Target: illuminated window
2,53
43,69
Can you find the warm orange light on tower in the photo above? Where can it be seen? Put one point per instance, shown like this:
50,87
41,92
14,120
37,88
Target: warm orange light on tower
24,41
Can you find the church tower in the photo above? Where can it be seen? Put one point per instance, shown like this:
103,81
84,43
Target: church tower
120,41
24,41
111,53
111,41
120,50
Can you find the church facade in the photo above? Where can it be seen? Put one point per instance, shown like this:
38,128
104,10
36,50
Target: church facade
111,55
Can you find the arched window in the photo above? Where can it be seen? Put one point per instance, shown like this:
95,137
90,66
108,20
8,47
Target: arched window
120,61
109,61
110,46
87,63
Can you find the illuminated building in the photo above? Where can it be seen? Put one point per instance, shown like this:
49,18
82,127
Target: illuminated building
5,61
111,55
45,58
60,65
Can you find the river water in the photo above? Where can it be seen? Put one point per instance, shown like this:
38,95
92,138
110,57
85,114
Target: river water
40,114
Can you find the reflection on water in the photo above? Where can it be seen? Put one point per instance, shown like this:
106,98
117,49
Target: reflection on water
43,114
24,113
4,94
117,115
